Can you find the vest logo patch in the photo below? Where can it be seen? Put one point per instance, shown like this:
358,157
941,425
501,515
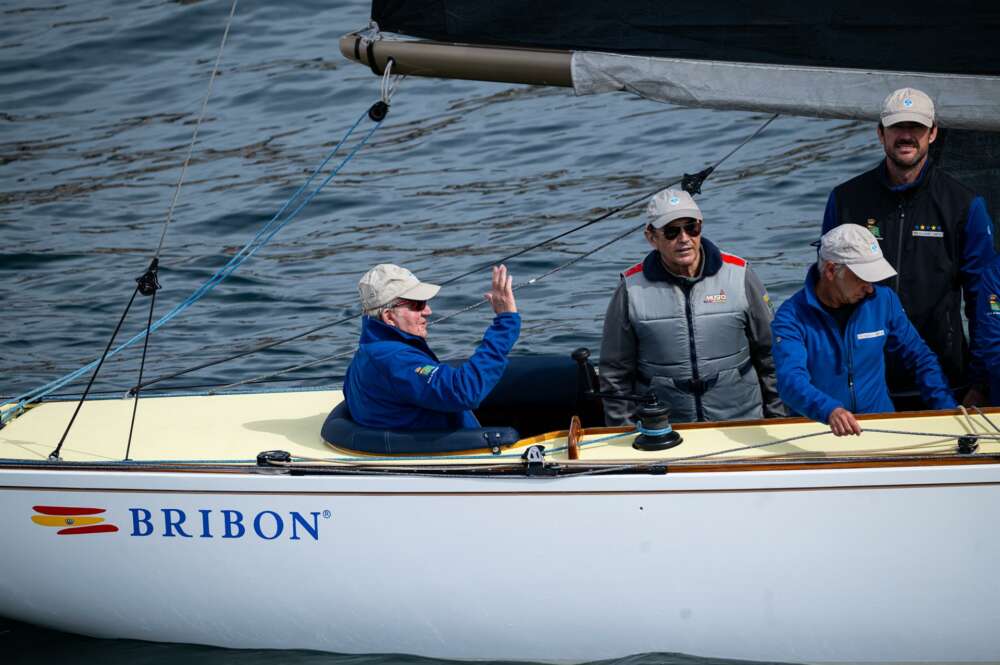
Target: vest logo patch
871,335
716,298
928,231
873,228
994,302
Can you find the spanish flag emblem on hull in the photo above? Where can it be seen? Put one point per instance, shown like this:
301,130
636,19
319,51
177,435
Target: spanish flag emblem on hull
72,520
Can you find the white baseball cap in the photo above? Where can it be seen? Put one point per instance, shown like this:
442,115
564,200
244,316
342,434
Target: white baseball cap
855,247
907,105
671,204
386,282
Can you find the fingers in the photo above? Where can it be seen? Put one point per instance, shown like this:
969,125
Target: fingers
501,297
499,277
842,422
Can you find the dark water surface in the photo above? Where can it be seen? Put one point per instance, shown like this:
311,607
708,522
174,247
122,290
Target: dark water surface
97,105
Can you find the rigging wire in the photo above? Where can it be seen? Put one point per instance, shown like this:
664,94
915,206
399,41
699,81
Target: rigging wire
197,126
147,284
54,455
260,240
986,418
142,365
696,178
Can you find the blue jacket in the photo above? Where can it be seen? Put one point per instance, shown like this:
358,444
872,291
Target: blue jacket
820,369
988,324
396,382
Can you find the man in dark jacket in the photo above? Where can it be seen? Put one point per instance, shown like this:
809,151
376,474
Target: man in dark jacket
396,382
691,323
933,230
831,337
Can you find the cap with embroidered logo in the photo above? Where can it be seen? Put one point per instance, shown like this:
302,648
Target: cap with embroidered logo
855,247
386,282
671,204
907,105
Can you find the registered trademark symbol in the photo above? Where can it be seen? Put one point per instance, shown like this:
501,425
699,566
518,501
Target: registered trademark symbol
326,514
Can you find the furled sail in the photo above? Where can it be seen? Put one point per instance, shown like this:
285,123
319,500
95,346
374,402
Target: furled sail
834,59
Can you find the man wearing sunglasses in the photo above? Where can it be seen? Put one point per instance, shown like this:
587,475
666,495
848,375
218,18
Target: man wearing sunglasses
396,382
691,323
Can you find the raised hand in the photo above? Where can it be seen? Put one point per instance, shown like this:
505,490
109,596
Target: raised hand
501,296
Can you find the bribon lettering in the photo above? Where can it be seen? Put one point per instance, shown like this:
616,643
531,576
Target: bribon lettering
226,523
144,521
234,518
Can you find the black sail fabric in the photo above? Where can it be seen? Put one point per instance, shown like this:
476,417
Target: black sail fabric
922,36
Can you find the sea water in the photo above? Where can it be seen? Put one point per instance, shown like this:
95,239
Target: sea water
98,102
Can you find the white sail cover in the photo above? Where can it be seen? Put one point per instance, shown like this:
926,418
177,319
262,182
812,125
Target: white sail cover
961,101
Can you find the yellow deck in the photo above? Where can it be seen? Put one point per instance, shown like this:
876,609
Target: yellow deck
236,428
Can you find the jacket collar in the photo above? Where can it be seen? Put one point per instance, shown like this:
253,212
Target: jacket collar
922,178
373,330
653,270
812,277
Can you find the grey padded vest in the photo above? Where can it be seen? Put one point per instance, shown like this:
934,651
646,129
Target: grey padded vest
694,351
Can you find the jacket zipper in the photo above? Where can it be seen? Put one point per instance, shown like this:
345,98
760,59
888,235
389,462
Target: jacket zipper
847,350
850,360
899,244
850,379
699,409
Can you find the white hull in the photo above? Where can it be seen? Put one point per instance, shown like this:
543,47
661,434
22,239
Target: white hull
826,565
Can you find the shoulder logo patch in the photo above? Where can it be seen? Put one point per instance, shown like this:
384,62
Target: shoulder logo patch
426,371
994,302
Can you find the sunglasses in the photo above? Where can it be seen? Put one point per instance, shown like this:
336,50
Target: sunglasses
412,305
692,228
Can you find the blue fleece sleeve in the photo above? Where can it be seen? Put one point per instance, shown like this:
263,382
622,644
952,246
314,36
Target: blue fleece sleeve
904,342
440,387
977,252
791,363
988,324
830,215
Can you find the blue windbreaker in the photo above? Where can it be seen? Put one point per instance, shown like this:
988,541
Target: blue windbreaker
988,323
820,369
396,382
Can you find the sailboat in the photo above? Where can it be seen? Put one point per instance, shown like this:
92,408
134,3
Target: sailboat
243,521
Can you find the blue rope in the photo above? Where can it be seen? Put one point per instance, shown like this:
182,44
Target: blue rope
248,250
654,432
